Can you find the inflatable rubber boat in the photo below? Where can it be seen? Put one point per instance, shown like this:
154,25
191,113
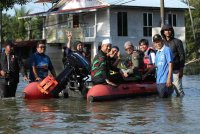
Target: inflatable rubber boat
130,89
76,71
75,77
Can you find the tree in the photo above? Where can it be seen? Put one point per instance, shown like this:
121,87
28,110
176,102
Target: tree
5,4
19,25
193,45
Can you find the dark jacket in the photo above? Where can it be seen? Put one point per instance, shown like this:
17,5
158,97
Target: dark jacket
101,67
14,68
176,46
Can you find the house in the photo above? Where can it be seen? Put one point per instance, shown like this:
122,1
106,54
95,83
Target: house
91,21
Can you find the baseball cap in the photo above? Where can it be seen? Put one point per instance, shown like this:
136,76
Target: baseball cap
157,37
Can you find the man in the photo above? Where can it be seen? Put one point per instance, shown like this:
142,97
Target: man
148,59
164,66
176,46
134,63
40,64
101,65
9,72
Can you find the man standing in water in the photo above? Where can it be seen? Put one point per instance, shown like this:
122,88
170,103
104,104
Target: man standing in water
40,64
9,72
163,63
176,46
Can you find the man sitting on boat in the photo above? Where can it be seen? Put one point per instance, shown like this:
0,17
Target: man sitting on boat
148,70
101,66
133,63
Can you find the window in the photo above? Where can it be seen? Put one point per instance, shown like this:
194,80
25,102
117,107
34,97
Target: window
75,21
172,19
147,22
122,24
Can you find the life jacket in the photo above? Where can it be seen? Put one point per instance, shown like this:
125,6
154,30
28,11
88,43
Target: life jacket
148,63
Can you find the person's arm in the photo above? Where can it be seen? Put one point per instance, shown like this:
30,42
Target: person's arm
117,60
169,58
33,67
169,78
181,53
35,73
69,36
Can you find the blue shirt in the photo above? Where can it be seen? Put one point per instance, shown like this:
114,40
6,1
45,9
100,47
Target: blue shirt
42,63
162,60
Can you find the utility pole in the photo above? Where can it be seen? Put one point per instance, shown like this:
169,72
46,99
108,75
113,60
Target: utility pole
1,19
162,12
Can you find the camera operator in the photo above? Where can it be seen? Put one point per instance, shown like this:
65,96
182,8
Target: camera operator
9,72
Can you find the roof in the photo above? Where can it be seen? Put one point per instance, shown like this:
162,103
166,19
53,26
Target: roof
149,3
27,43
42,1
68,6
67,11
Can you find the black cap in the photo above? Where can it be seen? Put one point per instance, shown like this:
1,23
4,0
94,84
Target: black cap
157,37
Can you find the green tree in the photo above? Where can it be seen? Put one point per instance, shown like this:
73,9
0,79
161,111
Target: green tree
193,44
36,28
5,4
19,25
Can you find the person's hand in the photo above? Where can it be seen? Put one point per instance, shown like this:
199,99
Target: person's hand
3,73
118,55
26,78
169,83
38,79
125,75
180,73
69,35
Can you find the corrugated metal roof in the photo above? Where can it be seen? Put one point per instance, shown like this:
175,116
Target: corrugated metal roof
149,3
42,1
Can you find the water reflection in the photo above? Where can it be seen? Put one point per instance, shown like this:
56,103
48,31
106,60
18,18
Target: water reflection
8,117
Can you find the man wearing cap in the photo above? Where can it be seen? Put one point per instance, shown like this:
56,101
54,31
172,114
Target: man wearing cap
101,65
176,46
134,63
163,63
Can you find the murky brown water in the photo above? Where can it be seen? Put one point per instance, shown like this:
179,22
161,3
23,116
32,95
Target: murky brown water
139,115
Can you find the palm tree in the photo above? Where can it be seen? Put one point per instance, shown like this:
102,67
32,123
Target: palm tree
19,25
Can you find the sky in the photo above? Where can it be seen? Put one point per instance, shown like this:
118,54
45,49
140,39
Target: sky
34,7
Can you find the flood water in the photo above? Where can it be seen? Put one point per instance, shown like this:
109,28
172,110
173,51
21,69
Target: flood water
136,115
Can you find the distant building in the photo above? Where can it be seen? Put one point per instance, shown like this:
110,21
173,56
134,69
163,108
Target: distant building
91,21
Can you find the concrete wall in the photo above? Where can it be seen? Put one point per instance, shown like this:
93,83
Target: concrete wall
135,24
55,54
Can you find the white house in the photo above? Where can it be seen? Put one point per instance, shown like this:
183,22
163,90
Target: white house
91,21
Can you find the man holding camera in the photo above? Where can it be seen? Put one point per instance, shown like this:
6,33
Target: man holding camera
9,72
